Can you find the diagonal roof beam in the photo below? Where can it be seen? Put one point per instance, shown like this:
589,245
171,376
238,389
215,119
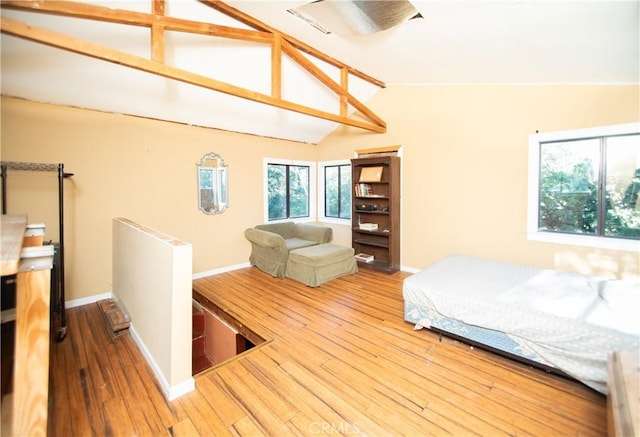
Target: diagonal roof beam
158,23
325,79
259,25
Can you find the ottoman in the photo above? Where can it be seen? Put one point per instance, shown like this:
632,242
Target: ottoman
315,265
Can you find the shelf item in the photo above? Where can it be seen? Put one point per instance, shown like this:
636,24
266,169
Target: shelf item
364,257
368,226
370,207
364,190
371,174
375,216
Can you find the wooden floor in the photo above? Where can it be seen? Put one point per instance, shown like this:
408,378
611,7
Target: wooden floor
339,360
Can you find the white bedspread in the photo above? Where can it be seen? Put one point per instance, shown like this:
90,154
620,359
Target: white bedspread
560,316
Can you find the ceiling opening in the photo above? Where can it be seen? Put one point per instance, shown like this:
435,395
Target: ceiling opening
356,17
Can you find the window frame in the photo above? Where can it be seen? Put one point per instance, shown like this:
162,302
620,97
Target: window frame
533,202
321,197
312,189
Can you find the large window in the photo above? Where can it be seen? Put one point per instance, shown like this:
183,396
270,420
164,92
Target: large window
290,190
335,182
584,186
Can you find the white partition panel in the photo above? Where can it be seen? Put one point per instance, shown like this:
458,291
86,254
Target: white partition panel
152,283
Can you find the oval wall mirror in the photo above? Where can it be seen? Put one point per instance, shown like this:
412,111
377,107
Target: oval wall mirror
212,184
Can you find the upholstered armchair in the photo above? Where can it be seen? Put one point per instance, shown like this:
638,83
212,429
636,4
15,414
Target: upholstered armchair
271,243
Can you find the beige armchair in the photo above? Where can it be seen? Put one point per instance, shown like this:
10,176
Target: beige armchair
271,243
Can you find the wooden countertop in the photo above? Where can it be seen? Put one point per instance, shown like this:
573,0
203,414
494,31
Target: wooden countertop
28,408
12,232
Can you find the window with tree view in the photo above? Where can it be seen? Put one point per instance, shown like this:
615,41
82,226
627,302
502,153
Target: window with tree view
590,186
337,191
288,191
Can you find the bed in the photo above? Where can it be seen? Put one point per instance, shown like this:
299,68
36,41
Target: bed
552,319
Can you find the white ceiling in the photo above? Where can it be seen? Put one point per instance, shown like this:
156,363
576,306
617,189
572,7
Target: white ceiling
495,42
526,41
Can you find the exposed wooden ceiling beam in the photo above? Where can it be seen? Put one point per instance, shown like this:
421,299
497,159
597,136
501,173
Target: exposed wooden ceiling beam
158,23
326,80
258,25
276,67
157,32
75,45
133,18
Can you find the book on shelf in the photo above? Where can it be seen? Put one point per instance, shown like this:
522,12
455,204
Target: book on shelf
364,190
364,257
368,226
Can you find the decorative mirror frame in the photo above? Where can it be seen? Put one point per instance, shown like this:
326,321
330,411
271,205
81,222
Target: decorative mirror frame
213,187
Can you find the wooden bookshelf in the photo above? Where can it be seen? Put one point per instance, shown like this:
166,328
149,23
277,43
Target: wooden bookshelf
376,200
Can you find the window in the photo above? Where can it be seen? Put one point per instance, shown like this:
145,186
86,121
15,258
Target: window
584,186
290,190
335,197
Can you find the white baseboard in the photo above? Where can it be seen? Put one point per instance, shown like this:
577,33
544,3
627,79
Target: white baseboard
96,297
92,299
87,300
409,269
220,270
170,392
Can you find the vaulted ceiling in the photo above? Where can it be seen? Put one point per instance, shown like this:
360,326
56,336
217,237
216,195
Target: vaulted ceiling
252,67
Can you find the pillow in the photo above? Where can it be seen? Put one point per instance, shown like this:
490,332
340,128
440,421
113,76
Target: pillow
621,293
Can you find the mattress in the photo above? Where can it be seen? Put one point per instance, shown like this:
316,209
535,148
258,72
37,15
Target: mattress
567,321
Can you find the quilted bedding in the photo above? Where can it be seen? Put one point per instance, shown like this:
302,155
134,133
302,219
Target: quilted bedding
566,320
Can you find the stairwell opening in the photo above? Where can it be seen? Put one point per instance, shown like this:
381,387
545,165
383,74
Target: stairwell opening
217,337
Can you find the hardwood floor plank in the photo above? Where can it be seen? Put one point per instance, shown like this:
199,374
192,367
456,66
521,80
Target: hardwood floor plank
267,392
339,359
71,396
398,422
247,427
151,387
184,428
220,400
257,409
145,415
117,421
202,416
351,416
59,393
425,393
98,349
523,383
77,341
466,383
309,402
288,388
449,423
302,424
375,394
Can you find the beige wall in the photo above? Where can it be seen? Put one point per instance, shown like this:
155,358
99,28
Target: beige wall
464,180
141,169
464,166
